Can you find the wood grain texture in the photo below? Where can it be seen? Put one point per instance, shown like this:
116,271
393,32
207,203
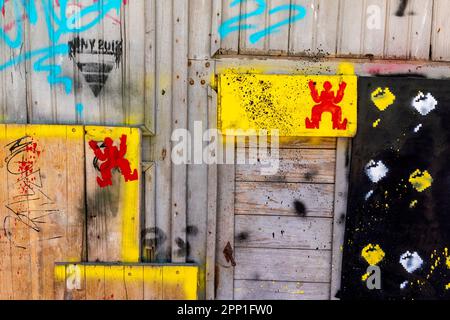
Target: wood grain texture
283,232
269,198
296,165
282,264
280,290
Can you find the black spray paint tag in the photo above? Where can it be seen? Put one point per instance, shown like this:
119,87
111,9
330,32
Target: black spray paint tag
399,199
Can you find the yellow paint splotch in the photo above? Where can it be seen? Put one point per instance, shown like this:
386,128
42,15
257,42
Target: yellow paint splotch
413,204
383,98
373,254
346,68
365,276
376,123
421,180
447,287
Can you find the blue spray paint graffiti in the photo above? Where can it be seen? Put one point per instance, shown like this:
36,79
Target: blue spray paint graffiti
295,13
58,24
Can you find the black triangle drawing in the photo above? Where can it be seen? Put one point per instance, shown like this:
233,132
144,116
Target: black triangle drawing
95,74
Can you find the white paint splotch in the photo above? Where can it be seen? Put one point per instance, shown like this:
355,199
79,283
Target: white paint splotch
411,261
417,129
403,285
368,195
376,170
424,103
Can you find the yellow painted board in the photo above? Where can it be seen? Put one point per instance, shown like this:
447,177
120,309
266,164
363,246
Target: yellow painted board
296,105
128,192
142,281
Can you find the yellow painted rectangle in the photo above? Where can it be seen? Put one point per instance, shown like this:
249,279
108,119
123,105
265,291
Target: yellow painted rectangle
285,102
175,281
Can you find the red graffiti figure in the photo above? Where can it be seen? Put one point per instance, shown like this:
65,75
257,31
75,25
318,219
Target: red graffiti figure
112,158
327,102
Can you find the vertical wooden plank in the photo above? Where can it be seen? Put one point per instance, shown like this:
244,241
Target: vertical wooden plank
327,27
225,231
374,36
75,246
162,144
180,283
134,62
441,31
343,154
6,270
302,40
408,35
153,282
115,283
134,282
211,234
110,83
200,28
149,233
95,282
113,211
256,15
179,122
278,41
43,108
352,22
197,181
19,234
150,65
225,43
13,80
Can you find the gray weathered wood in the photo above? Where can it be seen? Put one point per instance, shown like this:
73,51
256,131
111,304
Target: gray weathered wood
280,290
283,232
268,198
343,154
283,264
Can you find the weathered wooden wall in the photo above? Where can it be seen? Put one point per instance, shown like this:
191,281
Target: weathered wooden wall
160,83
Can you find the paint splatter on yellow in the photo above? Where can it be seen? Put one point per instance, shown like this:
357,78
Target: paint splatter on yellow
283,102
413,204
421,180
376,123
383,98
373,254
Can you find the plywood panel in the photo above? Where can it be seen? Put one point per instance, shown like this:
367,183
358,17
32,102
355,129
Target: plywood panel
296,165
280,290
284,199
282,264
113,197
283,232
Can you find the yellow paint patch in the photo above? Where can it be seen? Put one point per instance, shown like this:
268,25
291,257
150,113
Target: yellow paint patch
447,287
130,191
183,278
283,102
383,98
373,254
376,123
421,180
365,276
413,204
346,68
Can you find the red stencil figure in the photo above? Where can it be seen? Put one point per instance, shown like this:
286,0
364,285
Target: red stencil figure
327,102
112,158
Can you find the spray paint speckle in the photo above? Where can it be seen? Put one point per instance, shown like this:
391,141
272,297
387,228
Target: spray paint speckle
411,261
424,104
368,195
376,170
376,123
403,285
